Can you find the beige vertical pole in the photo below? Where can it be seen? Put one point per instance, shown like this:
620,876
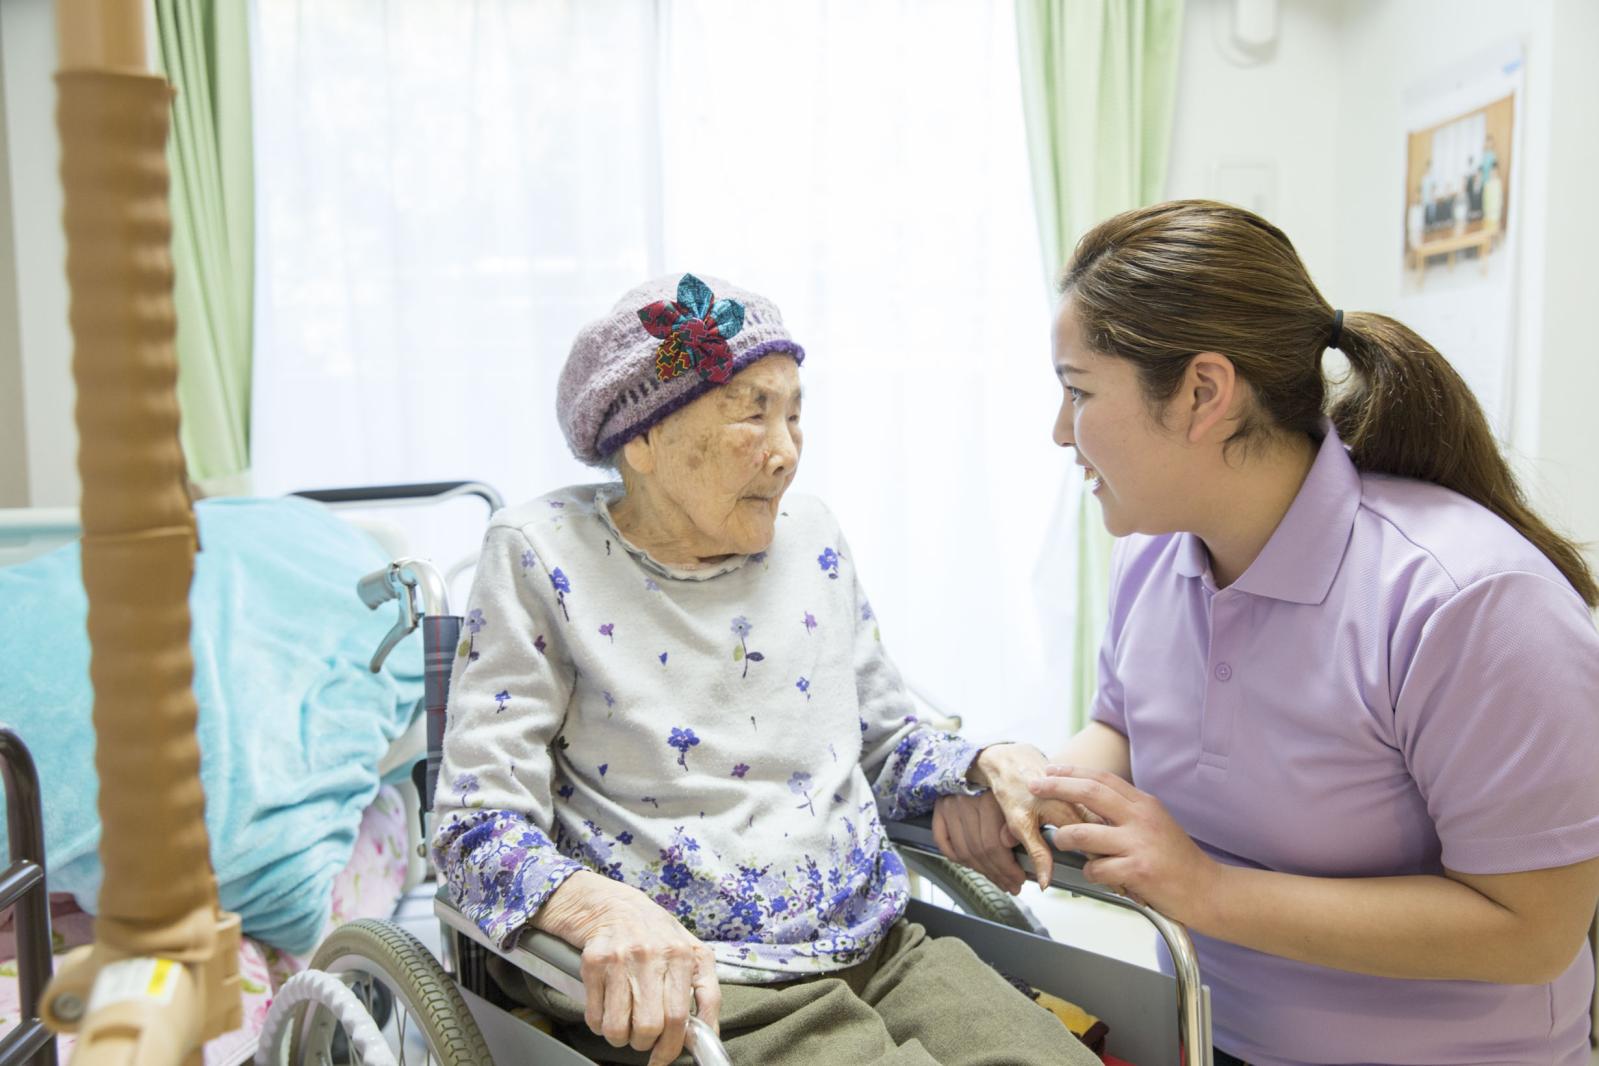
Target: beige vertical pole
162,975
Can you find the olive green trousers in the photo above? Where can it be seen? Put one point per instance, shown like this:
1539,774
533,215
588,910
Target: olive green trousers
916,1001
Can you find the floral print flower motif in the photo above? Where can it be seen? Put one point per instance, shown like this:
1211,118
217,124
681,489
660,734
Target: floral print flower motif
682,740
694,330
610,700
562,586
650,585
501,697
604,766
475,623
800,784
741,769
828,561
624,837
465,785
528,560
741,629
809,622
663,658
866,611
565,792
538,643
609,630
804,685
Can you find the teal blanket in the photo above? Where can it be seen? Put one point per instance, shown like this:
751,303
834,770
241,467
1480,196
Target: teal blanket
291,726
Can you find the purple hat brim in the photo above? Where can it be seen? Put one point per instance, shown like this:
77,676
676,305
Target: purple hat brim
606,446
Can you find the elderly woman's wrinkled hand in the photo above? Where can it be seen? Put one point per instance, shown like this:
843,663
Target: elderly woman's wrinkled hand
643,973
981,831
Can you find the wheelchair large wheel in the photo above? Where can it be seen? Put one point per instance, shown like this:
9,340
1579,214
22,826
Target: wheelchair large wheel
428,1021
972,892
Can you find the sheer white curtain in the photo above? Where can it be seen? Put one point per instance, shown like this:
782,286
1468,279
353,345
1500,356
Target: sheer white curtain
447,191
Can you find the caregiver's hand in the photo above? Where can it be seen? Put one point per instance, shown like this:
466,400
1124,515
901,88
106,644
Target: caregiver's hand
980,831
1140,849
642,971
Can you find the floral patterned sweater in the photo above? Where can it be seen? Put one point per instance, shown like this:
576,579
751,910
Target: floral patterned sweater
725,740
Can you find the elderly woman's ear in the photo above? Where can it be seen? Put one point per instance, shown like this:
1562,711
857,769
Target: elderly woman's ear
638,456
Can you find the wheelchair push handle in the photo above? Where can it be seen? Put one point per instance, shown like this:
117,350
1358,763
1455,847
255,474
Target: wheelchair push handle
419,588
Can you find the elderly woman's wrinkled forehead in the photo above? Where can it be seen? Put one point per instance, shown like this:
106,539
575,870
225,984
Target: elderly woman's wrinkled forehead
772,380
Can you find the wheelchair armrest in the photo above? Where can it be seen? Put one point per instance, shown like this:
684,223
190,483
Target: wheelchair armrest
554,962
917,834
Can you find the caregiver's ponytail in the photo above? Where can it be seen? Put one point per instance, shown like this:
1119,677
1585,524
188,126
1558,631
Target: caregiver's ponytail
1409,413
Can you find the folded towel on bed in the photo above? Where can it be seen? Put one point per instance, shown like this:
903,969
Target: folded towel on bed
292,724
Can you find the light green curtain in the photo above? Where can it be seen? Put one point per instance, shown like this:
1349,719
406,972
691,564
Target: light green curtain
1099,81
205,54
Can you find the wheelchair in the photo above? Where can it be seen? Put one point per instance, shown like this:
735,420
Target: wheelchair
375,994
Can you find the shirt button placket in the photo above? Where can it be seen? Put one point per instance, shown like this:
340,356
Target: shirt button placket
1217,728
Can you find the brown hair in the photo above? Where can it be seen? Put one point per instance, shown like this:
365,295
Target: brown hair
1159,284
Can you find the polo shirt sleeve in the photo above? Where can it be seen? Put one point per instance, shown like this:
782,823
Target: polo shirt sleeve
1109,706
1497,715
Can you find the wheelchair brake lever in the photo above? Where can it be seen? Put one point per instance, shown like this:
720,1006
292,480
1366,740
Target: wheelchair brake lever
393,583
398,632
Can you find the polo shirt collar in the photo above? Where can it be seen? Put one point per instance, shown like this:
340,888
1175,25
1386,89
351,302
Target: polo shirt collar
1302,557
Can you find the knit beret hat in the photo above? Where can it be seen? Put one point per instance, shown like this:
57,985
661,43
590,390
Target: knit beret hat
665,344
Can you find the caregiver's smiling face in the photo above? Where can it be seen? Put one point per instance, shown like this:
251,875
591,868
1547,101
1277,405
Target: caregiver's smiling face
1137,468
713,474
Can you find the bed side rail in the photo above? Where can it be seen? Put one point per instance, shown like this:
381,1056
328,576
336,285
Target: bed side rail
22,886
400,495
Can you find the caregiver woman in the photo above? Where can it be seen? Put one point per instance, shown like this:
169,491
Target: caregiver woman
1347,723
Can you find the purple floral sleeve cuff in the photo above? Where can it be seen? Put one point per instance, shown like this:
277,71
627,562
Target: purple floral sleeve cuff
924,766
500,869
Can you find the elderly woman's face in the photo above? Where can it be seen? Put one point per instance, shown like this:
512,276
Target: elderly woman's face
720,466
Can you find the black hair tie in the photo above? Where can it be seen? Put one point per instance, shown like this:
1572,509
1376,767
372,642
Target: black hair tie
1338,329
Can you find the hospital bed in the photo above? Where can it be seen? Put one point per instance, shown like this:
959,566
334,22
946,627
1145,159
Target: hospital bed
377,987
30,534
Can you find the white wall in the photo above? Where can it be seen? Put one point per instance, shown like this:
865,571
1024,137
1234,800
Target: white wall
27,35
1322,110
1278,117
1564,438
1390,45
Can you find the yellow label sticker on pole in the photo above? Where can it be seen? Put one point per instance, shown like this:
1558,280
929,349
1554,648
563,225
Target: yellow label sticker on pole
133,980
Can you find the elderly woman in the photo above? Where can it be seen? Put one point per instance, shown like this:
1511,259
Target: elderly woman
674,730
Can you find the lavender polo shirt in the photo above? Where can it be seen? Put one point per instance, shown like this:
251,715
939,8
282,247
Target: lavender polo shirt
1399,683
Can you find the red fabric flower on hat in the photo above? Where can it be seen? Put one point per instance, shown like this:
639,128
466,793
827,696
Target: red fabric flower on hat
694,331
